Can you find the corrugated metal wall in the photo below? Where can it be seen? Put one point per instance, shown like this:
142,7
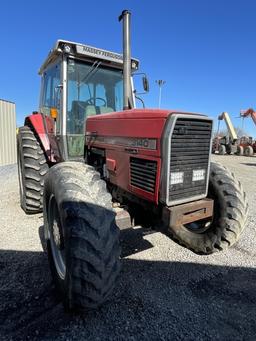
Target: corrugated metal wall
8,153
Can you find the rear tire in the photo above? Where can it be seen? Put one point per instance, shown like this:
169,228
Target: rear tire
222,149
248,151
82,236
32,168
240,150
229,149
229,220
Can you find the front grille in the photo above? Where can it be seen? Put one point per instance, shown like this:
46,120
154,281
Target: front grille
143,174
189,150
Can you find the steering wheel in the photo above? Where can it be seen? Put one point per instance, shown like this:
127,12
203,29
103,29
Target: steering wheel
92,101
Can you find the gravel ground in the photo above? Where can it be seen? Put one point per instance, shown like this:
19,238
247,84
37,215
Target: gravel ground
165,291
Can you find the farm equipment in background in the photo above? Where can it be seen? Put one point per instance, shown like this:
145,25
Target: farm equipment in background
226,144
247,144
88,158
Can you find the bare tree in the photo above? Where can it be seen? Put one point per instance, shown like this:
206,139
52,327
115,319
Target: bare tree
221,133
241,132
224,132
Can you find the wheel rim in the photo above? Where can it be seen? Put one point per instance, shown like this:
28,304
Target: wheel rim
56,238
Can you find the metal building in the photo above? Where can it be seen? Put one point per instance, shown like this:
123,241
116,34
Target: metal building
8,153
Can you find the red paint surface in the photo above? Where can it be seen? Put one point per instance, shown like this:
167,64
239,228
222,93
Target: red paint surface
37,122
111,164
249,112
141,123
130,123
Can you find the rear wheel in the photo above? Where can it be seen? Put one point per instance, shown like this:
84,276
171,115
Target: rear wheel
240,150
82,236
229,149
229,219
32,168
248,151
222,149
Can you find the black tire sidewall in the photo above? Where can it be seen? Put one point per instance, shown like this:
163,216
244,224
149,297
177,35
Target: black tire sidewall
240,150
210,240
61,284
21,172
79,217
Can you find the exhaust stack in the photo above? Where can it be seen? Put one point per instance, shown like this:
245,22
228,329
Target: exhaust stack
126,17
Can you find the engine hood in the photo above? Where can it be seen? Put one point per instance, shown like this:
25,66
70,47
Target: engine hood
143,123
139,114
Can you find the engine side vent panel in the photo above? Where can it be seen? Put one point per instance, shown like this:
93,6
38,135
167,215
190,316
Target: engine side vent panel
143,174
189,151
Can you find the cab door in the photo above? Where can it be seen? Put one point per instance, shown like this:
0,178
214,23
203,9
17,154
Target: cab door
51,107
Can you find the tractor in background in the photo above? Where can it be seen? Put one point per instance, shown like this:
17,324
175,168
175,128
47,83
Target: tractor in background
247,143
88,158
228,143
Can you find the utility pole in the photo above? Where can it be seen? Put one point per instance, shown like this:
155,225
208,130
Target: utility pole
160,83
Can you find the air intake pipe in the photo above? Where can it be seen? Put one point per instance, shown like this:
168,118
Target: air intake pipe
126,17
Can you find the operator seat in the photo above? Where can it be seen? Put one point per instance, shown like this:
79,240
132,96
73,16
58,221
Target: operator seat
84,110
76,125
78,107
92,110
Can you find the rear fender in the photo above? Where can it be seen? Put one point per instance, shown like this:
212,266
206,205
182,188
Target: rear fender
44,128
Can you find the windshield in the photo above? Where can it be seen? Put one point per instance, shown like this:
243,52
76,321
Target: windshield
91,90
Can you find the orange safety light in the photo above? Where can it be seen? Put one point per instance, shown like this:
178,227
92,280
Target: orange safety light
54,113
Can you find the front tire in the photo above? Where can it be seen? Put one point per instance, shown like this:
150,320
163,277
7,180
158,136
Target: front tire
222,149
82,236
229,219
32,168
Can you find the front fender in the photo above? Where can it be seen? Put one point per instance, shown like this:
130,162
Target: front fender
43,127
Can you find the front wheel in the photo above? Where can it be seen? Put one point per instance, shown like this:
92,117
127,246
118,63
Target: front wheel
229,217
82,236
222,149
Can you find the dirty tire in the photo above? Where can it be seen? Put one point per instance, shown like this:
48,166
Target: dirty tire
222,149
32,168
240,150
230,215
248,151
88,239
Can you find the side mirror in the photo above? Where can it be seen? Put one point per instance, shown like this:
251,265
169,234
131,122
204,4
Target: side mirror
145,83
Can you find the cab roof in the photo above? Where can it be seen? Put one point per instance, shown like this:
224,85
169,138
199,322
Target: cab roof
85,52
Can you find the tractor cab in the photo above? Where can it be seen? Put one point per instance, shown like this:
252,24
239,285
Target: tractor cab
79,81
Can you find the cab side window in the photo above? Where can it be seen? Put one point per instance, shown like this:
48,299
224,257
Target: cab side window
50,93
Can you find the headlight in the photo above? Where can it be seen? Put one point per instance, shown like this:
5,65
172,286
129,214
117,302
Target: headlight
67,48
177,178
198,175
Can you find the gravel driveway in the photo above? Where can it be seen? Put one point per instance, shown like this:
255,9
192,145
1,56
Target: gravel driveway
165,291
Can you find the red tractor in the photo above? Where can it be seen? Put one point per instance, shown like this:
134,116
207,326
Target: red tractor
247,144
89,159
